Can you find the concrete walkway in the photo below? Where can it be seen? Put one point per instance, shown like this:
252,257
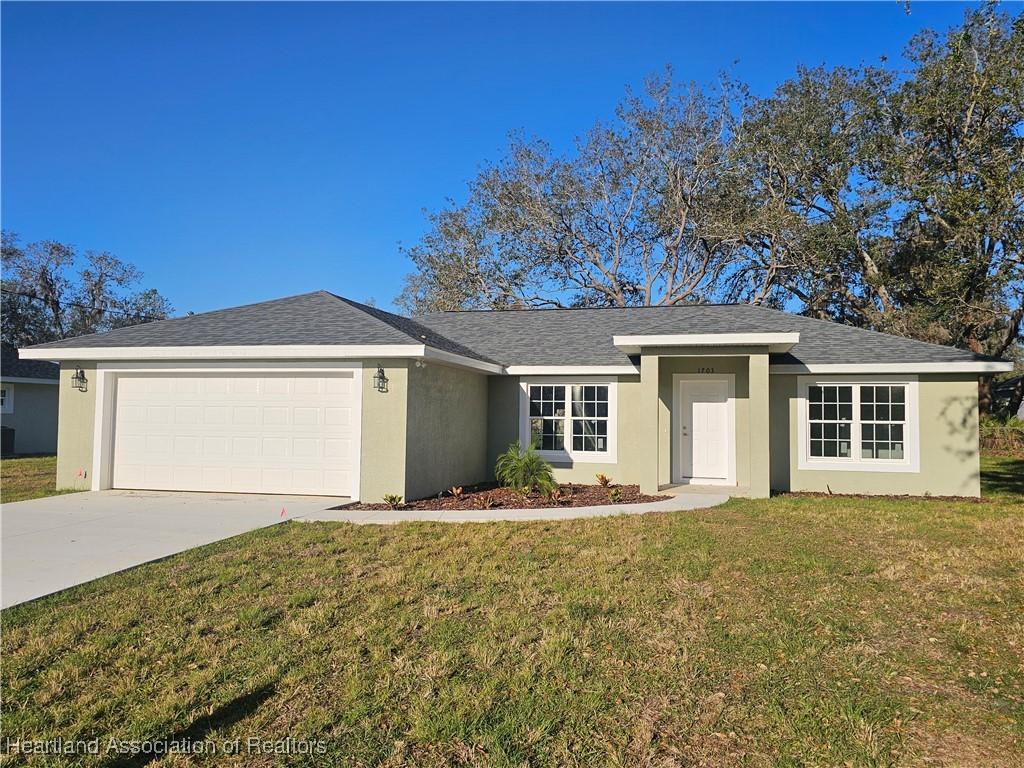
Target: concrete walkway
388,517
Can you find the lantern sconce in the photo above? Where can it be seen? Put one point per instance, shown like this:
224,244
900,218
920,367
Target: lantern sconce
380,381
79,382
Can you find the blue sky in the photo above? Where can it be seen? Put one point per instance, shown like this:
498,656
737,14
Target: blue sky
238,152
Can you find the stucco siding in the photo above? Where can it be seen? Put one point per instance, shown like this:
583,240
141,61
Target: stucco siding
34,419
502,417
382,460
446,429
76,417
949,460
635,451
631,452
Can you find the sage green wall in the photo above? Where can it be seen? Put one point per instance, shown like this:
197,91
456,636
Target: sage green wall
34,419
446,432
76,417
949,466
503,430
382,465
637,406
502,417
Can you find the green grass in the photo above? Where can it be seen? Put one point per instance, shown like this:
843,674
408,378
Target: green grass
28,478
1002,476
796,631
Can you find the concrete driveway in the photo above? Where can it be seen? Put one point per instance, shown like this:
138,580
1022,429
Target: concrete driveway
55,543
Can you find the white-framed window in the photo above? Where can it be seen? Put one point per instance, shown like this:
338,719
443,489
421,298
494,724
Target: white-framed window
6,398
569,420
867,424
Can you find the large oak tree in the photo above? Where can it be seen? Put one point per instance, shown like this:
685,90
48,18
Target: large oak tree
50,291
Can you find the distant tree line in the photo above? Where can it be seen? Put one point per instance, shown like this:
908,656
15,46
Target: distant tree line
885,198
50,291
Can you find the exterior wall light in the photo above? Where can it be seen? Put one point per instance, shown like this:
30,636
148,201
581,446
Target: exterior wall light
79,382
380,381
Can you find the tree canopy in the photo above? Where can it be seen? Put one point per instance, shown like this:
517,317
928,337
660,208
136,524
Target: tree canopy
885,198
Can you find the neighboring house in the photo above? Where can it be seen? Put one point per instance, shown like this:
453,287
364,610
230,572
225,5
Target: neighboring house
1003,394
316,394
28,403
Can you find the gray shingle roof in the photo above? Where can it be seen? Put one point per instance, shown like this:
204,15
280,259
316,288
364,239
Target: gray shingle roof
310,318
12,367
523,337
584,336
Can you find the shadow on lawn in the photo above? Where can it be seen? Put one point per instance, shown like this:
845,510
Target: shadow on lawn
1004,477
222,717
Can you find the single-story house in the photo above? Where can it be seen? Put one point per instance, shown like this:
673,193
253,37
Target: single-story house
317,394
28,404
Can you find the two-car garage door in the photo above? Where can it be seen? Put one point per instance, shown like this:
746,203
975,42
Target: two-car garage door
245,433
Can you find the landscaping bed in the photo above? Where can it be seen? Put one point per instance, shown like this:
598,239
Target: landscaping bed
493,496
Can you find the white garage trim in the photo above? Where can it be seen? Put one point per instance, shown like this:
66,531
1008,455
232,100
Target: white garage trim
105,386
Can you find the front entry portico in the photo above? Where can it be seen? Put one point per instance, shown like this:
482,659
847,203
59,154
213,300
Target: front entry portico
705,407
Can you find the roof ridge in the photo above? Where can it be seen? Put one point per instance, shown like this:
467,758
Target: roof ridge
580,309
375,312
424,333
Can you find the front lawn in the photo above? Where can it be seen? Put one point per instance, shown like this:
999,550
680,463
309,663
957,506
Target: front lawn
791,631
28,478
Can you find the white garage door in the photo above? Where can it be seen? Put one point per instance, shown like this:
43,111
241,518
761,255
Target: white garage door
245,433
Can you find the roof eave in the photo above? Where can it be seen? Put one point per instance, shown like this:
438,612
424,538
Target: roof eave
963,366
774,342
261,352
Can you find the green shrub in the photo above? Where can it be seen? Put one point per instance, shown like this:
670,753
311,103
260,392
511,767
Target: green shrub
1002,436
393,500
524,470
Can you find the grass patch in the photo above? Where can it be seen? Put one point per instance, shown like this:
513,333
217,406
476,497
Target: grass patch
1002,477
28,478
789,631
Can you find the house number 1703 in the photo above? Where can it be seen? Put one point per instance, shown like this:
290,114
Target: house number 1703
705,370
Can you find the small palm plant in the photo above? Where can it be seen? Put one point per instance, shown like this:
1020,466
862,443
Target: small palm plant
393,500
524,470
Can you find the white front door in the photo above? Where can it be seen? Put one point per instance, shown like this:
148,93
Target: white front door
704,436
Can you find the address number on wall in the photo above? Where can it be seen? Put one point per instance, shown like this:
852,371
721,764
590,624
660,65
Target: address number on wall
705,370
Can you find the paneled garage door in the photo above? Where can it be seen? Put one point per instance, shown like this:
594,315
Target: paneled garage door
245,433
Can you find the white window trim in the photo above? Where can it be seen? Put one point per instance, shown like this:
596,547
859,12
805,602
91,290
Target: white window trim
569,456
8,405
911,461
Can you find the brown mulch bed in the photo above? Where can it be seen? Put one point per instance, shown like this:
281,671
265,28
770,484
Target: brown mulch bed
491,496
